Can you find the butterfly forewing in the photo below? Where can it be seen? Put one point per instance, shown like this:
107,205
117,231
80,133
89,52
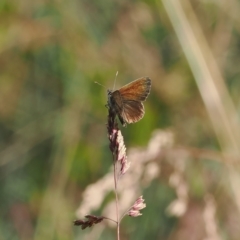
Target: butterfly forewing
137,90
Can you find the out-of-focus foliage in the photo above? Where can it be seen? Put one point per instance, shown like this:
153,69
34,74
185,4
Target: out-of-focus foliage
53,141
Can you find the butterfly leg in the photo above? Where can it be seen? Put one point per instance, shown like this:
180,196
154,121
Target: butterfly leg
121,120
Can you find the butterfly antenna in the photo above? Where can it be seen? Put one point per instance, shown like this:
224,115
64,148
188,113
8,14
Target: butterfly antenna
115,80
100,84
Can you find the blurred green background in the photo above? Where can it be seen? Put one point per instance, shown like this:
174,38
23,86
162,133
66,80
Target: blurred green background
53,138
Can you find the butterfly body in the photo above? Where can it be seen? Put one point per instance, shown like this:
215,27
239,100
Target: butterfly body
126,102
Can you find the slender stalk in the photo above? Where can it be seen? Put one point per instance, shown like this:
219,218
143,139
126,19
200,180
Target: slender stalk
110,219
125,213
118,150
116,197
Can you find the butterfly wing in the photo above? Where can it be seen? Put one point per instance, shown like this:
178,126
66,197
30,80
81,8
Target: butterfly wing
132,96
137,90
132,111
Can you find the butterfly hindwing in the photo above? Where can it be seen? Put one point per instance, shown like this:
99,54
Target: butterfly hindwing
132,111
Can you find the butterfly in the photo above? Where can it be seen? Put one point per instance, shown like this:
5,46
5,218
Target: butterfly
126,102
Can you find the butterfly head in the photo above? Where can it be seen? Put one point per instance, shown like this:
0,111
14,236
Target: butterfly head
109,94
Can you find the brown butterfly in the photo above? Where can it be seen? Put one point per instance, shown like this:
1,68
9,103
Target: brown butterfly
127,101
